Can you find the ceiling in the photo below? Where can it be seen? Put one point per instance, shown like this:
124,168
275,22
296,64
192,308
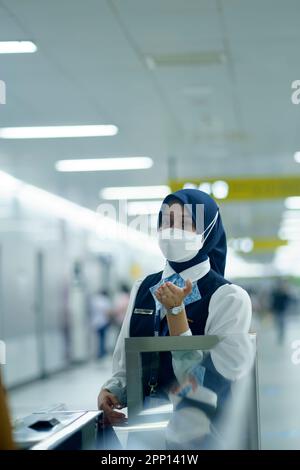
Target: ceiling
217,104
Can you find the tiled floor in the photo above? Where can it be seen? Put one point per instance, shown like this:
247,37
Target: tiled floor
279,388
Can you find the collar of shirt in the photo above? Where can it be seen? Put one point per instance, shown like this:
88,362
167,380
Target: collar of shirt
194,273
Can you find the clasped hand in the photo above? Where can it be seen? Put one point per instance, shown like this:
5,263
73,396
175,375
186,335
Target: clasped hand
171,296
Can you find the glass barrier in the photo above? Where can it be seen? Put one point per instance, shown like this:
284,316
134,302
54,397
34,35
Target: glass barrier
190,393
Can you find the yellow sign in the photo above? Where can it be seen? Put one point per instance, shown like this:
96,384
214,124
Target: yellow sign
248,245
268,244
246,189
135,271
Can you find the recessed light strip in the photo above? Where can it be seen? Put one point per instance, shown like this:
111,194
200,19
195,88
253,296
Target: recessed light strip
104,164
52,132
17,47
144,207
135,192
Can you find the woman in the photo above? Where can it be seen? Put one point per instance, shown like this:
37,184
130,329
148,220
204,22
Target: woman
190,296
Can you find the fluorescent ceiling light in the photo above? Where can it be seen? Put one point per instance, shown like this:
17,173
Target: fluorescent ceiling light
244,245
143,207
17,47
205,187
220,189
289,228
290,223
292,202
288,235
104,164
297,157
189,186
52,132
135,192
291,214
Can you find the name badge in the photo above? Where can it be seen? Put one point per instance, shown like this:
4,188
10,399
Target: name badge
143,311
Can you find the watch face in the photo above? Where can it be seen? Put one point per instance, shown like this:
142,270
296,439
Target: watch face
176,310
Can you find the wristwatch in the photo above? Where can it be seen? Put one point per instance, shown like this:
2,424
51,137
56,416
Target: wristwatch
176,310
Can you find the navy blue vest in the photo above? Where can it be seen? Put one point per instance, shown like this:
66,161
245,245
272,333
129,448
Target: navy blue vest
143,325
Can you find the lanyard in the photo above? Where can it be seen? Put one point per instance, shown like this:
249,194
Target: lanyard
157,322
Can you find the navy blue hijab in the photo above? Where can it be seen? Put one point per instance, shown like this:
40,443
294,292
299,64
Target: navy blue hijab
215,247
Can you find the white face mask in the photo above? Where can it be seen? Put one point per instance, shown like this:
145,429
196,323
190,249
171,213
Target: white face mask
181,245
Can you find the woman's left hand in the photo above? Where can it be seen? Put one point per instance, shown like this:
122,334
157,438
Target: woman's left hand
171,296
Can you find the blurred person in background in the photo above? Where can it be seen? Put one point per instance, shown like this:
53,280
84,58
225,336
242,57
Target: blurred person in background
280,302
257,310
101,308
78,328
66,319
120,305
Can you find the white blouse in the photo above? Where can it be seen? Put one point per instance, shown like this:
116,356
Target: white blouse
229,312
